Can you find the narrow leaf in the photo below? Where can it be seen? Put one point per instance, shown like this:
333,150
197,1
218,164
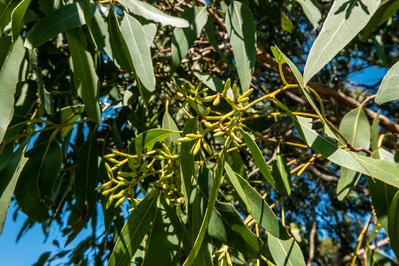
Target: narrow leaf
9,77
282,175
237,186
311,12
10,171
346,182
17,18
149,12
375,132
258,158
285,252
148,139
356,128
85,76
183,39
338,30
169,123
384,12
241,30
210,80
389,88
61,20
134,230
120,53
393,222
140,53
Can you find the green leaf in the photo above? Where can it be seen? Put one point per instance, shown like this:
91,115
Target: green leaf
148,139
5,44
218,175
227,226
184,38
100,32
241,30
384,12
393,222
163,240
286,23
85,76
120,53
134,230
69,115
375,131
149,12
261,211
389,90
234,180
71,15
386,172
285,252
211,81
338,30
86,177
5,14
356,128
17,18
346,182
10,171
187,161
140,53
311,12
258,158
169,123
382,193
9,77
282,175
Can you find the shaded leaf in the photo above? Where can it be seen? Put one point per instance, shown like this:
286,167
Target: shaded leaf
85,76
140,53
338,30
389,88
169,123
134,230
393,224
375,131
356,128
241,29
384,12
234,180
258,158
227,226
45,29
17,18
9,172
120,53
148,139
9,77
285,252
282,175
183,39
150,12
311,12
211,81
346,182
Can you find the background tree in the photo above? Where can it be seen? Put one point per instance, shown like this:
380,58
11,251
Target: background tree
192,119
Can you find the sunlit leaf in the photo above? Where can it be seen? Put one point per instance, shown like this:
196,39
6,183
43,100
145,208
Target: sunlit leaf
282,175
148,139
71,15
285,252
340,27
241,30
389,88
150,12
375,130
183,38
356,128
346,182
169,123
311,12
9,77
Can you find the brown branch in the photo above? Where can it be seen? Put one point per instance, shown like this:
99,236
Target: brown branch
375,246
325,177
312,244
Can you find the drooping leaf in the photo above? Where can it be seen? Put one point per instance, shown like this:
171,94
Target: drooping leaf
120,53
356,128
282,175
9,171
389,89
187,161
386,172
210,206
100,32
17,18
258,158
150,12
237,185
134,230
9,77
227,226
86,177
140,53
340,27
285,252
183,38
261,211
393,222
241,30
375,131
169,123
163,240
85,76
211,81
385,11
382,193
5,14
71,15
346,182
148,139
311,12
69,115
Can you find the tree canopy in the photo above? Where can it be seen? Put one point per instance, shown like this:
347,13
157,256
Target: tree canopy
203,132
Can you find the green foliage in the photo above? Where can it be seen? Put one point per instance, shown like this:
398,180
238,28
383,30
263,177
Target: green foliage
174,122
